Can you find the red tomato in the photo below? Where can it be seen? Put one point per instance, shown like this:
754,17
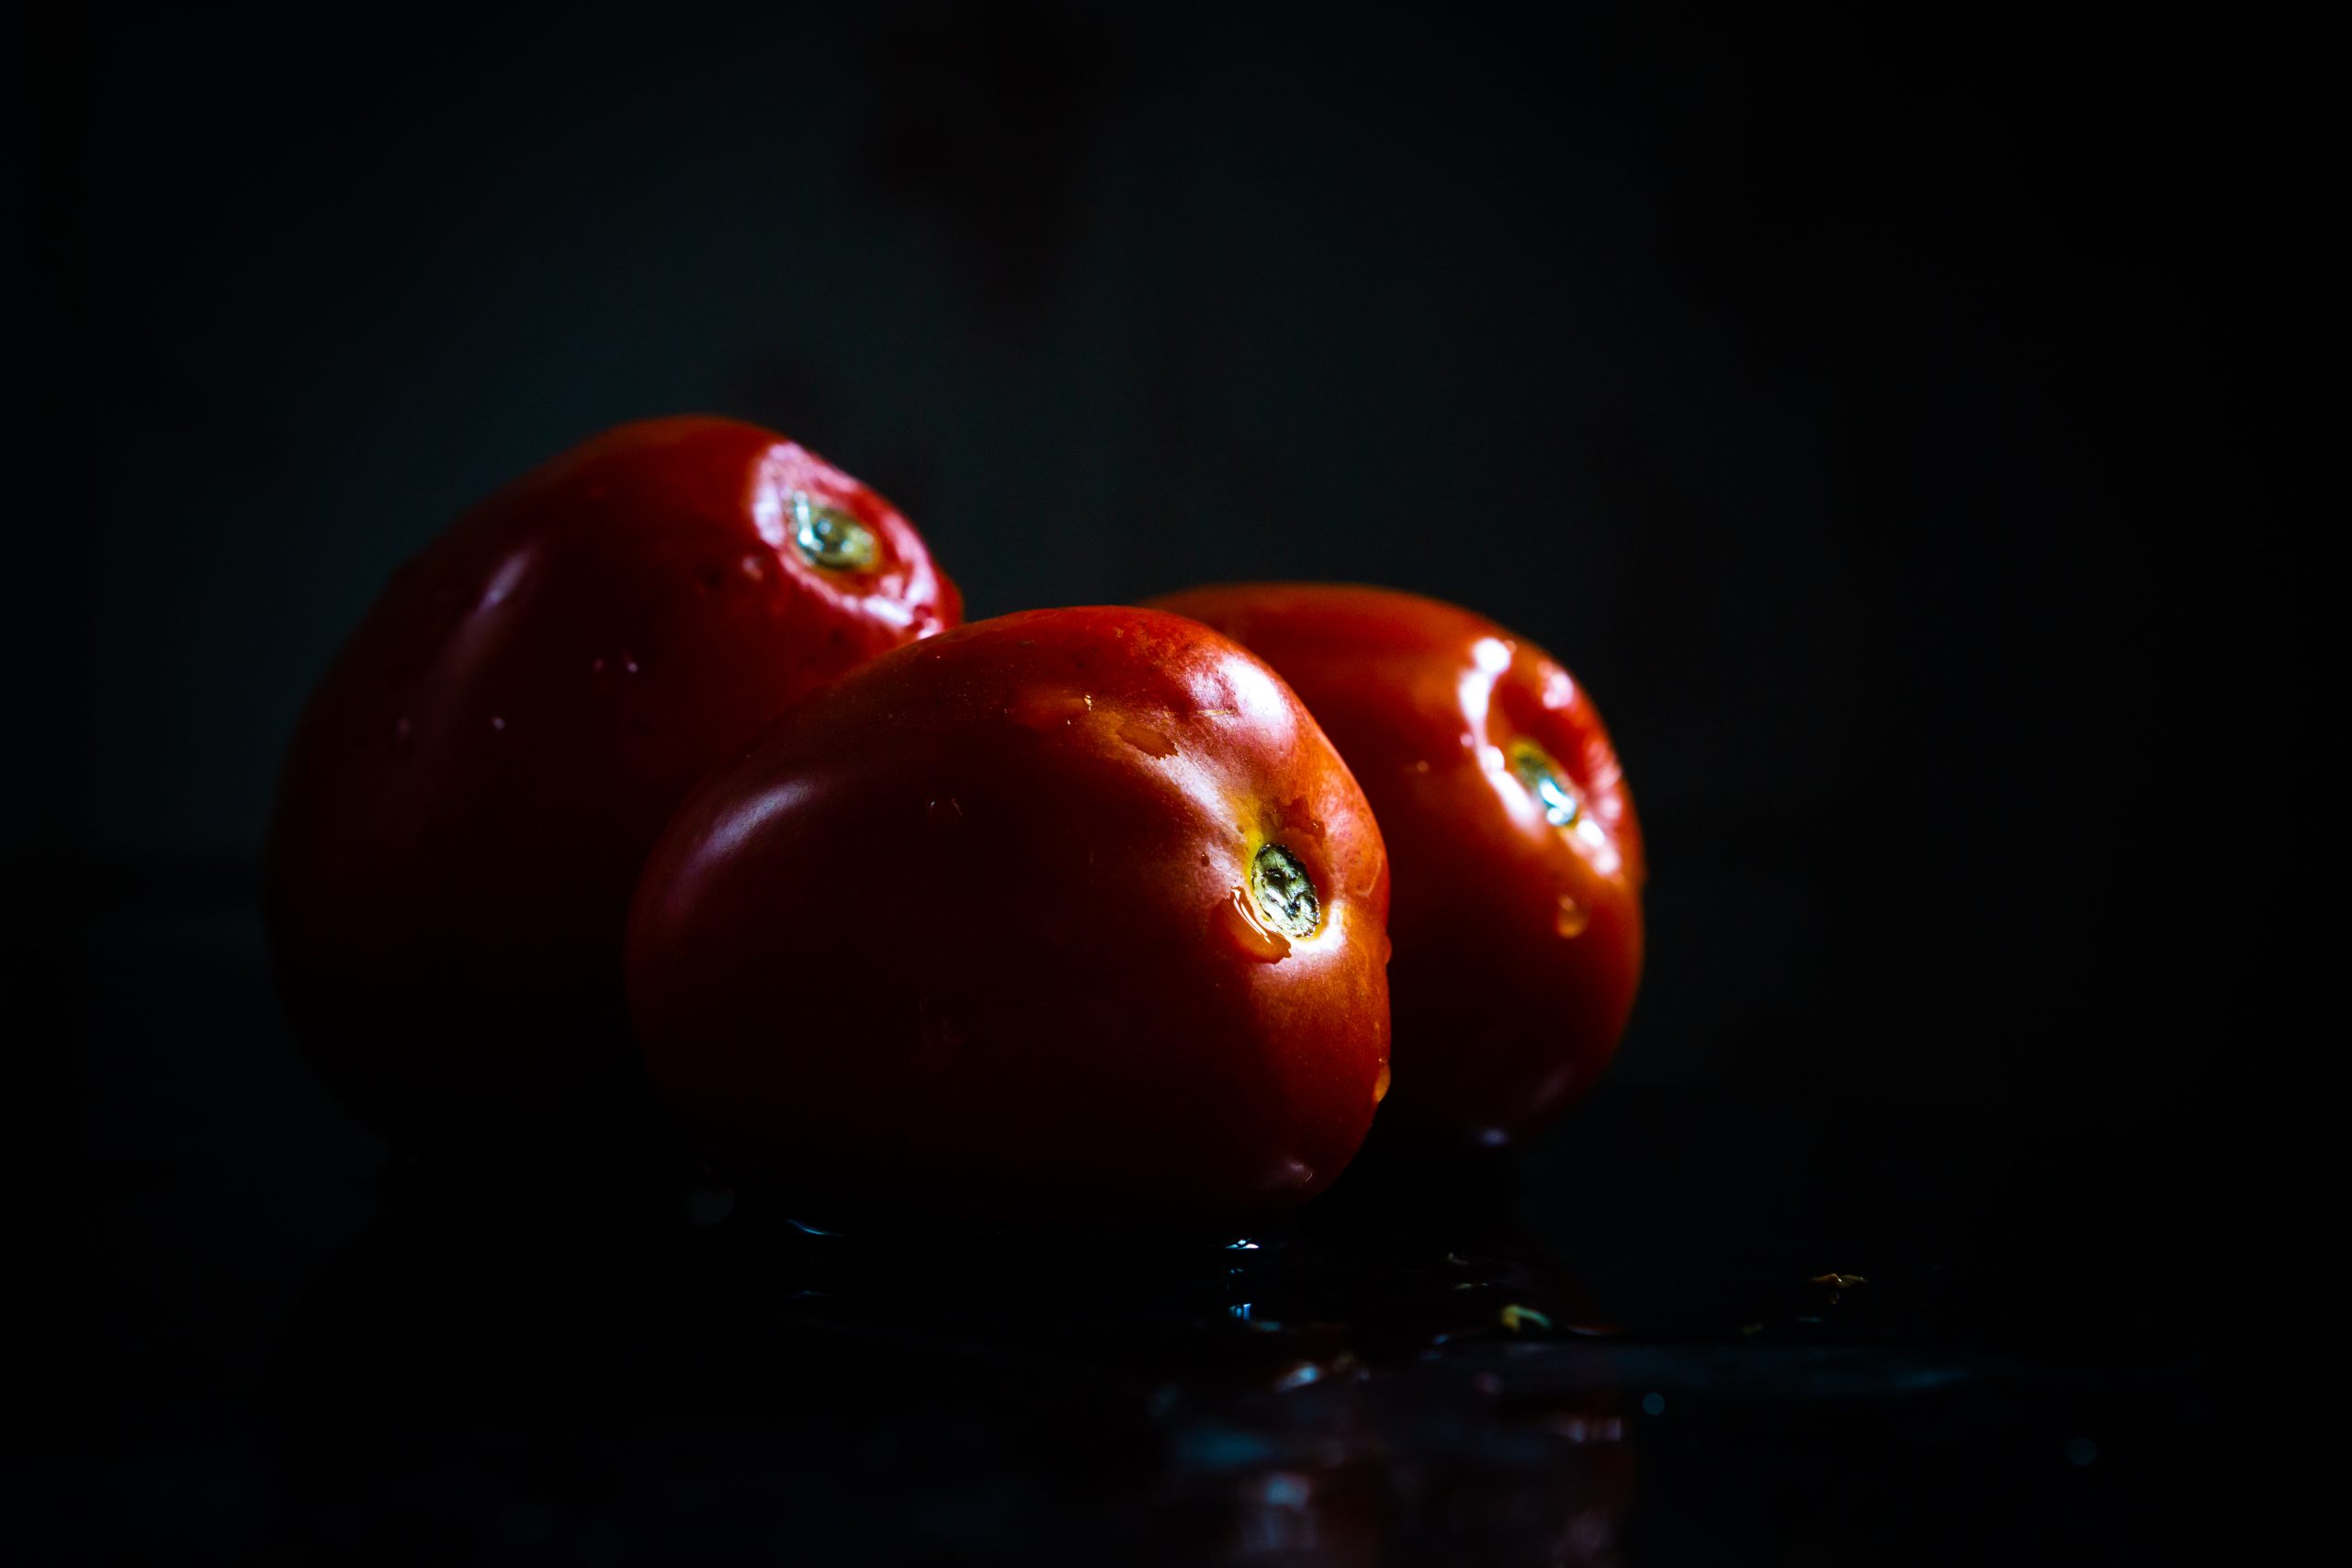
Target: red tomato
1068,915
1518,919
470,794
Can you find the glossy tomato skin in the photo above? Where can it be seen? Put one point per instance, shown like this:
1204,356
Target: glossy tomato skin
968,936
1519,940
470,793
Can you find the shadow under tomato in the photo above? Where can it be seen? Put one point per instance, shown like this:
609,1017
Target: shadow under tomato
699,1374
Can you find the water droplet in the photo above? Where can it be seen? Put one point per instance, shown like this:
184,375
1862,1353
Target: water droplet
1516,1318
1145,738
1287,1177
1244,931
1298,1377
752,569
498,724
1380,1084
1046,710
1571,917
1420,764
629,664
1575,1428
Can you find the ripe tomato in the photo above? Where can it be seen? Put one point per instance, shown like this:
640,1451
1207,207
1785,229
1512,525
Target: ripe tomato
1518,919
470,793
1071,914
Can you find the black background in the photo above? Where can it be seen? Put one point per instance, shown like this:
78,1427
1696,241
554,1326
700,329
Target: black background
1901,425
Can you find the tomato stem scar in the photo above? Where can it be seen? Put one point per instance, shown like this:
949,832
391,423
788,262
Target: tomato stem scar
1283,892
831,537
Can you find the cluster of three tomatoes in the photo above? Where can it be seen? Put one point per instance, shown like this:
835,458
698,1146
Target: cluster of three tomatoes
668,776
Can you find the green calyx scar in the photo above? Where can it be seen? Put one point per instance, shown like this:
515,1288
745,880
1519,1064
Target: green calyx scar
1284,893
1535,767
831,537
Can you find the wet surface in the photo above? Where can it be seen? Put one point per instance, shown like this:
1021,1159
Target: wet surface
1641,1342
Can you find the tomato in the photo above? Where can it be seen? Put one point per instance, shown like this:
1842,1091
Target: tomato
471,791
1518,859
1073,914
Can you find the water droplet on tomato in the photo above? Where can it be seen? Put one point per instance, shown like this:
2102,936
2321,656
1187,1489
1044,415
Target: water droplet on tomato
1247,935
1571,917
1049,709
1145,738
498,724
1380,1084
1288,1176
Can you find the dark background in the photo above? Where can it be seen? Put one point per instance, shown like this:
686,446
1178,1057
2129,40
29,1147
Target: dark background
1899,425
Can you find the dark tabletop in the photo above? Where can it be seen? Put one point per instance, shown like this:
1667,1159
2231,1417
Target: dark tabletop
1624,1345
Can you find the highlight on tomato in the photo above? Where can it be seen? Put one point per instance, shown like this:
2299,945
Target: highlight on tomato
1068,917
1513,838
471,791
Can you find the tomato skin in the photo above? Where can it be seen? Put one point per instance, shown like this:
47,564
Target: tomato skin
1519,943
959,937
471,792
